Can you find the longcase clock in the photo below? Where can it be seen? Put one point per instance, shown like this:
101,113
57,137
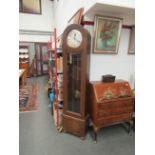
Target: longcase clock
76,55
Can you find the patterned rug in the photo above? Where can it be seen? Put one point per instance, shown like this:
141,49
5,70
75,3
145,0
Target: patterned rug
28,98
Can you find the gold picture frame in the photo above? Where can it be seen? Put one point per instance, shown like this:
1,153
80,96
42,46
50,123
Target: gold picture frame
106,34
30,6
131,49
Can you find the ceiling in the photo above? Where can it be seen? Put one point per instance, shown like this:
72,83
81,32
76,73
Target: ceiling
128,14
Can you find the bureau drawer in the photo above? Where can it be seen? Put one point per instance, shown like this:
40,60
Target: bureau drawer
115,104
114,119
114,111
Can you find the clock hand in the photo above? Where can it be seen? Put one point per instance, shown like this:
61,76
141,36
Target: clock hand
77,40
74,36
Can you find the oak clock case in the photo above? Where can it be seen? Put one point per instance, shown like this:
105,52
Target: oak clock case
76,56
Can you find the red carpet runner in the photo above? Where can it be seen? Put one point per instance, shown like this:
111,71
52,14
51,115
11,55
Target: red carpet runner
28,98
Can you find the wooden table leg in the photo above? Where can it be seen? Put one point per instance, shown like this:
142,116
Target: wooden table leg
130,126
95,130
22,77
95,137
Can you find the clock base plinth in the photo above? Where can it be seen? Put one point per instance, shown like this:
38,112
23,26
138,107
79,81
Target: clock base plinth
75,126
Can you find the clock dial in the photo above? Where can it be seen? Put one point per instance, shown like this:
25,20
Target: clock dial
74,38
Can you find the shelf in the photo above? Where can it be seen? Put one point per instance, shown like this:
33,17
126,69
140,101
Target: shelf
127,14
60,80
59,107
59,50
60,100
59,72
51,50
24,62
55,63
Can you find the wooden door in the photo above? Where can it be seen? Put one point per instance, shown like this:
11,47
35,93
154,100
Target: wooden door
41,58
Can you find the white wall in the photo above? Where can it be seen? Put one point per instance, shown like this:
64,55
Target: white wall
64,9
34,38
122,65
43,22
123,3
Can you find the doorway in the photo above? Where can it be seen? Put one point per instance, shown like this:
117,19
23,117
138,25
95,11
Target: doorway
38,58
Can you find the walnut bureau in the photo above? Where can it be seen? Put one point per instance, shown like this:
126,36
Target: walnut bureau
110,103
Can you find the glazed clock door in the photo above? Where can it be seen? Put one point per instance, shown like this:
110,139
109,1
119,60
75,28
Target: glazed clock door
73,82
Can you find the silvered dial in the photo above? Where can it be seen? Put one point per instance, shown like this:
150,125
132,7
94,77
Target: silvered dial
74,38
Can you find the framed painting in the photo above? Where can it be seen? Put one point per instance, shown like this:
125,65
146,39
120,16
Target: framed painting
132,41
30,6
77,17
107,34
